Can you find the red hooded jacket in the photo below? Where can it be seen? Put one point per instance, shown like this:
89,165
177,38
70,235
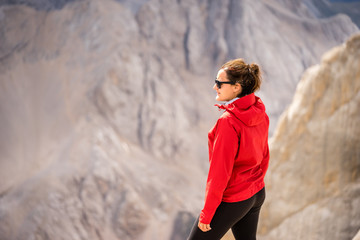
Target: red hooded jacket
238,154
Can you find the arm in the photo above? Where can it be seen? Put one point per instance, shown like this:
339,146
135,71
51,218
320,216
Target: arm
222,156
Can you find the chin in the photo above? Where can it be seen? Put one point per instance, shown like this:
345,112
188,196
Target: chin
220,99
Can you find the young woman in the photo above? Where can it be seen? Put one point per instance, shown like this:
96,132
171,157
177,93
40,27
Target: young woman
238,156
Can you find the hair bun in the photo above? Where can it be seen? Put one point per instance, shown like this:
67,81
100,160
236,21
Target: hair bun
255,68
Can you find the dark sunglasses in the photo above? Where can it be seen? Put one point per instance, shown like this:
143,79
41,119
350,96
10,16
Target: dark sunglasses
218,83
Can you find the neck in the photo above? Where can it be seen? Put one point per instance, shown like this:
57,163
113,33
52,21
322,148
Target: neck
232,100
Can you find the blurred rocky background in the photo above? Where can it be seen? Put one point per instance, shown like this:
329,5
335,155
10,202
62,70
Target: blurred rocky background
105,107
314,182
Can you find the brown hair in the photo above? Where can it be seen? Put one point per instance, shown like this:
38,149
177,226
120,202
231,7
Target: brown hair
248,76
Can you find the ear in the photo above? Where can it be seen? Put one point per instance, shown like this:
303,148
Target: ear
237,88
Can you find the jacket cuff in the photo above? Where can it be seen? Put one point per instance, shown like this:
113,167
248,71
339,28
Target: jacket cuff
204,219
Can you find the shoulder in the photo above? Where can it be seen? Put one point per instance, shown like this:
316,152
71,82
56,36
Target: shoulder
227,120
226,116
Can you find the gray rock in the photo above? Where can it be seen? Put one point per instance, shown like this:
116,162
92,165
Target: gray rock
183,224
43,5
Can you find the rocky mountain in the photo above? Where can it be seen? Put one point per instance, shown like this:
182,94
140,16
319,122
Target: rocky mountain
105,106
314,181
211,33
326,8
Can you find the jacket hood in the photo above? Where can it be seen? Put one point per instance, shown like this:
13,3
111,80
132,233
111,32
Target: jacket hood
249,109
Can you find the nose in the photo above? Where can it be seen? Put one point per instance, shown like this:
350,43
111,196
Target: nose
215,87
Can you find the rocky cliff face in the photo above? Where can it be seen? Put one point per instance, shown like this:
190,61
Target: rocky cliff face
105,107
328,8
314,179
203,35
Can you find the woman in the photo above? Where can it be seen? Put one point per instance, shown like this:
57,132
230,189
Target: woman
238,156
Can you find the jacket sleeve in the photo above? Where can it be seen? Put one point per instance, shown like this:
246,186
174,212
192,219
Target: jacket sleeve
222,157
266,155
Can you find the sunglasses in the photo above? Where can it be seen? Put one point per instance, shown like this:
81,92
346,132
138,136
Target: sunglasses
218,83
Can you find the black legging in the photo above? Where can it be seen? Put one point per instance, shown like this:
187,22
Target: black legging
242,217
